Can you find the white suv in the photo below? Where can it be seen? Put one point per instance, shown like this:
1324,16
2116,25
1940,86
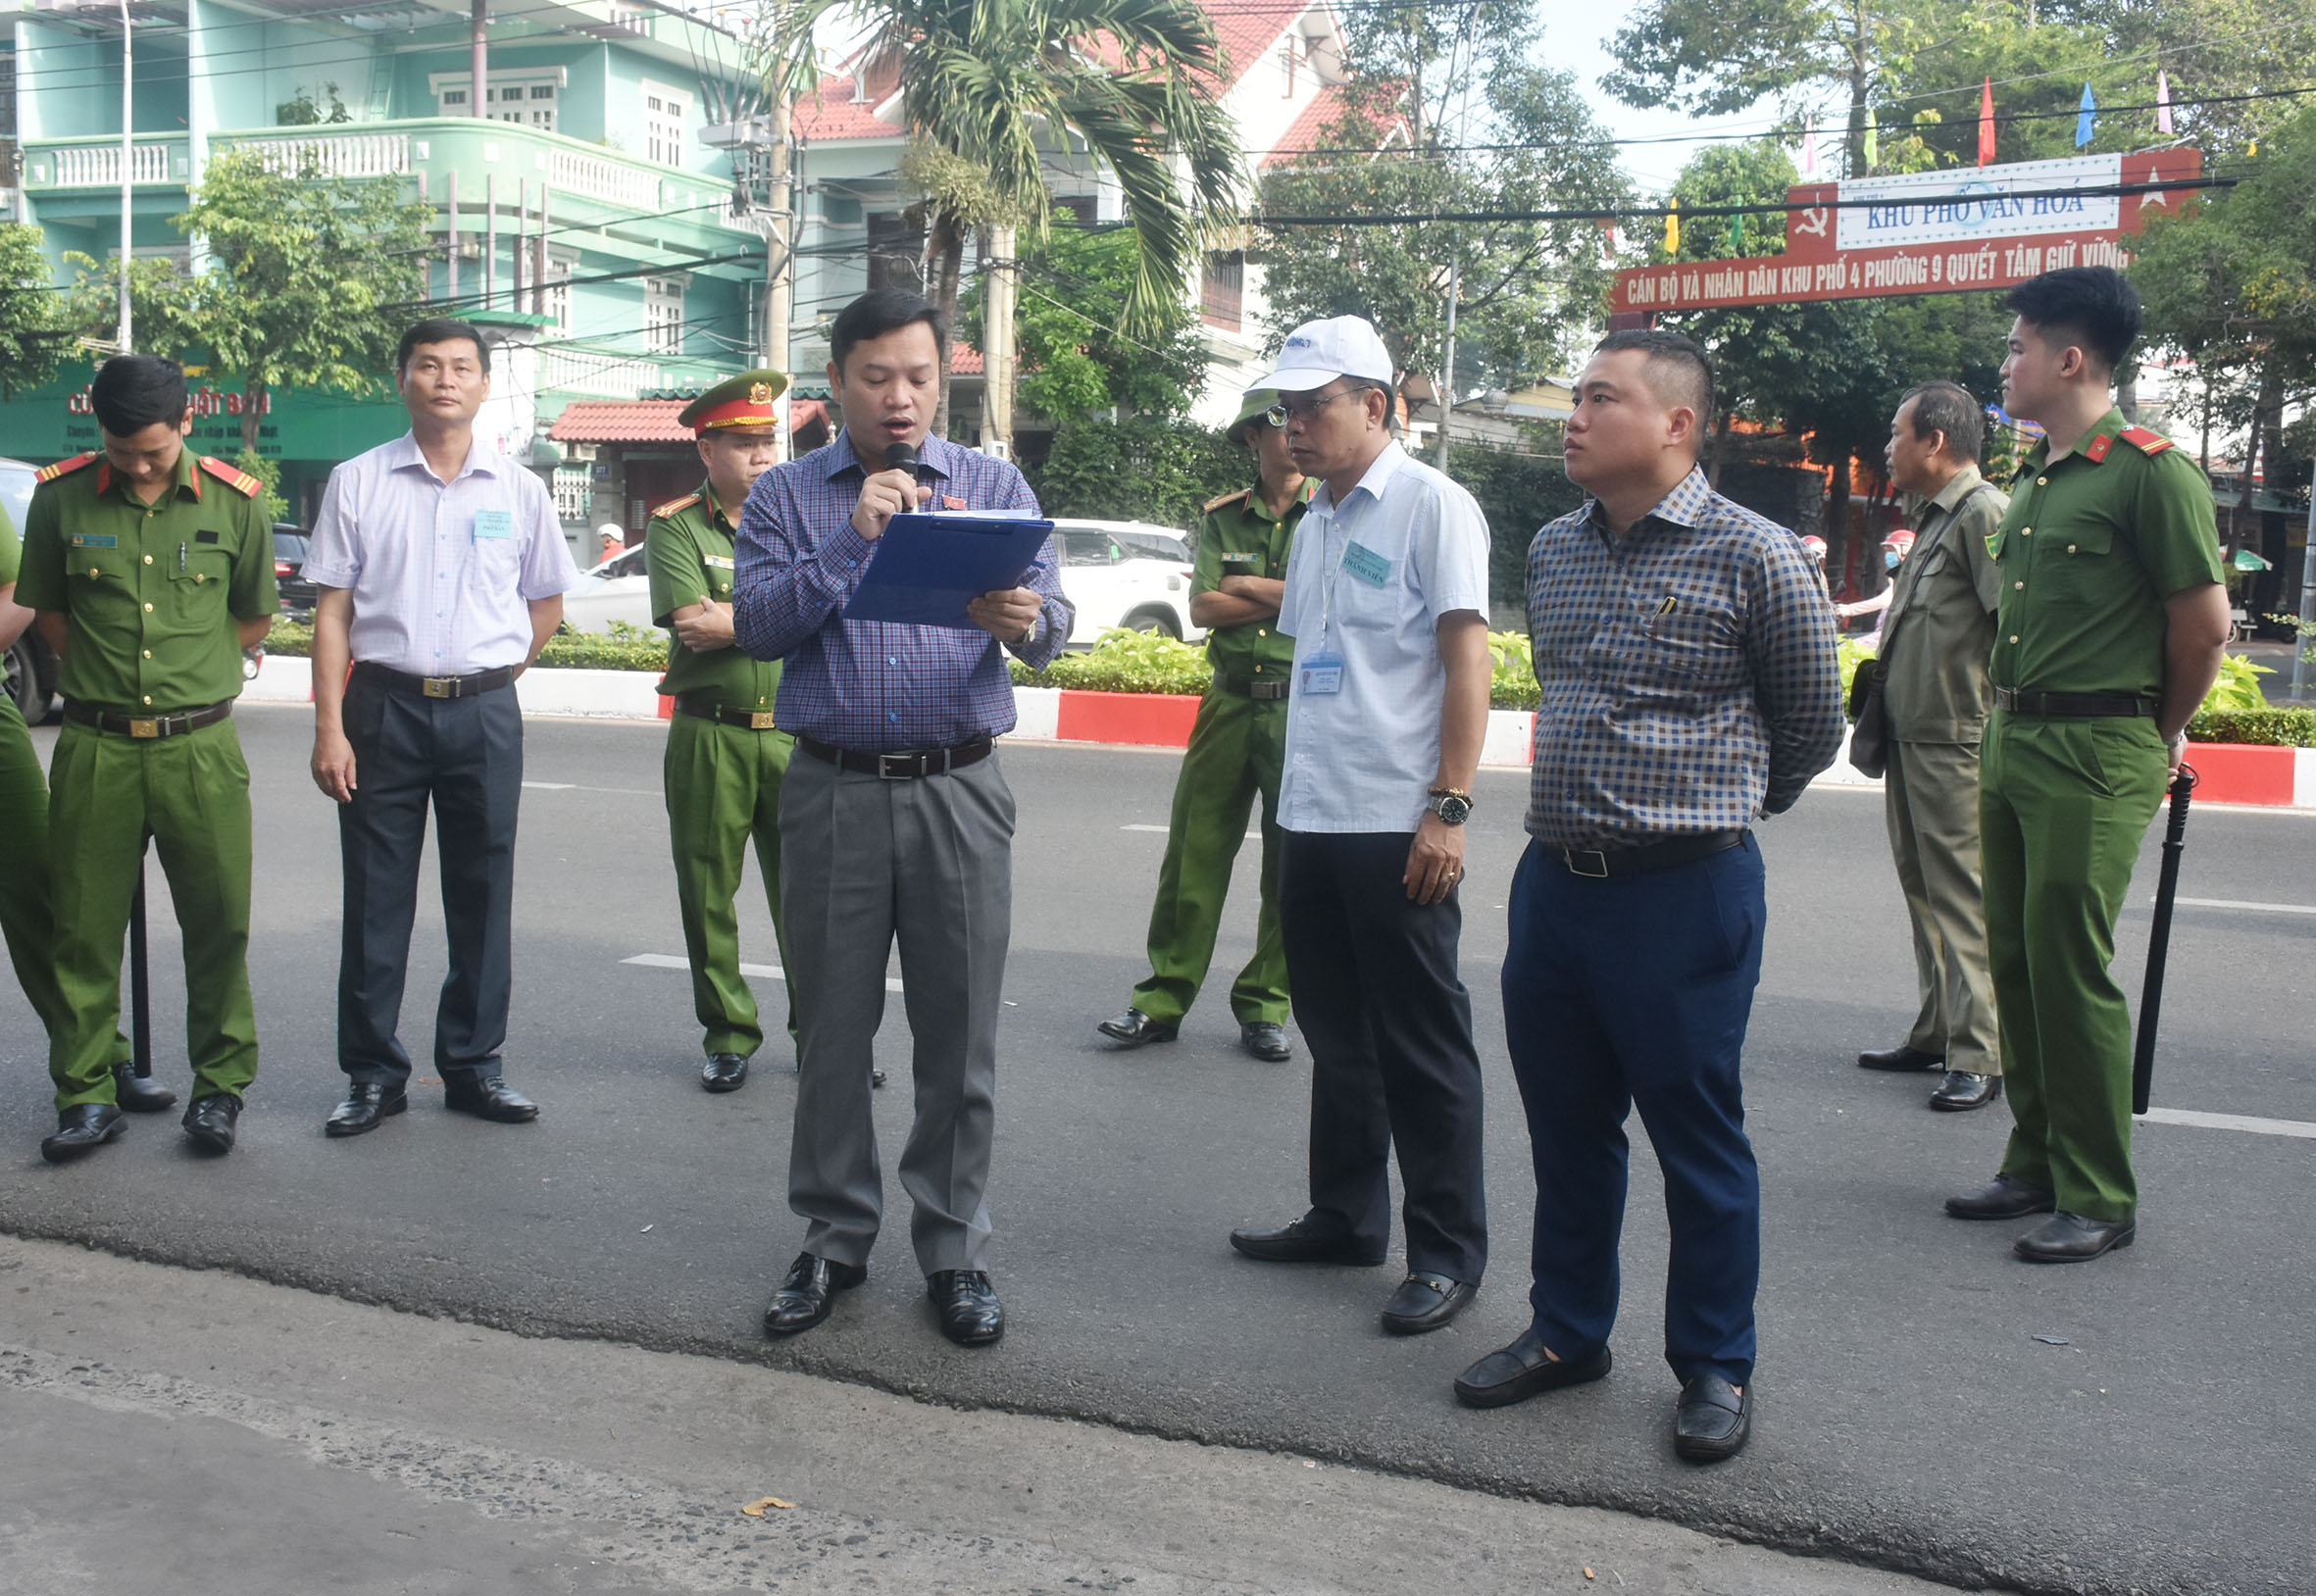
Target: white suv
1127,573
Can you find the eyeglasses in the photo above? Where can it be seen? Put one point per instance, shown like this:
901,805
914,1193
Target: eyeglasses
1290,410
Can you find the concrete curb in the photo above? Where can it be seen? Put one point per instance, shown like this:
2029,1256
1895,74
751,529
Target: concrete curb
2227,773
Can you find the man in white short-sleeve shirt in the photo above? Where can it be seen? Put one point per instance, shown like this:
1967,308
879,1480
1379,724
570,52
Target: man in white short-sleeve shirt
1387,599
441,570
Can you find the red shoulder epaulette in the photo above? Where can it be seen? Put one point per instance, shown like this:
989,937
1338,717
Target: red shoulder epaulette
674,506
2145,441
233,477
49,473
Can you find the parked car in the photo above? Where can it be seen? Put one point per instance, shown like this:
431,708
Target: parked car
615,590
1126,574
31,668
289,566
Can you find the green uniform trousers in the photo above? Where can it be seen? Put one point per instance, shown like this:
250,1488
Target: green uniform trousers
28,922
1237,749
191,795
723,787
1931,799
2063,807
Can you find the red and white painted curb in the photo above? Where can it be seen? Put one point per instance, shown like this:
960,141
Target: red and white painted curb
2227,773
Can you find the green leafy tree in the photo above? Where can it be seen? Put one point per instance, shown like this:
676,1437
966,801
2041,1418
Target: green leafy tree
35,328
1145,468
304,282
1075,359
1431,86
988,87
2211,50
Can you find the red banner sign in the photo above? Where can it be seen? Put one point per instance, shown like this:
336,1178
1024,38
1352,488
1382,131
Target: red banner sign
2017,247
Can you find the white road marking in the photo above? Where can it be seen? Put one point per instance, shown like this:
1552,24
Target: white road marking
574,786
1162,830
2302,1128
772,972
2238,903
551,786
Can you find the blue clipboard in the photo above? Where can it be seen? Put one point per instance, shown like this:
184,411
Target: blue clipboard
927,566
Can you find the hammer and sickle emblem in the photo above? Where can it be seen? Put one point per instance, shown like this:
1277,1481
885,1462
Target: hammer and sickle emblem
760,393
1813,221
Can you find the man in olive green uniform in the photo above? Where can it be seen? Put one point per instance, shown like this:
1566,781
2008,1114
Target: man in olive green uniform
1936,637
2113,625
1237,749
725,759
150,570
27,922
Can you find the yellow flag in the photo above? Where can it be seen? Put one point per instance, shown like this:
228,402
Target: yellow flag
1673,230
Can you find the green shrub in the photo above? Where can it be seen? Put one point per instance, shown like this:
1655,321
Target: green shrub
624,648
1514,684
2237,688
2288,726
1125,662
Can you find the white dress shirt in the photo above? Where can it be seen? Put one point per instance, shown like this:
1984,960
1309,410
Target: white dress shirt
442,574
1367,582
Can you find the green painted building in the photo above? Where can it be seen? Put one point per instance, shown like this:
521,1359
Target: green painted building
581,201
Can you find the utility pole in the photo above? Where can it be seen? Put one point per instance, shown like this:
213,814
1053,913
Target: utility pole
780,262
479,40
1448,372
997,365
122,331
2301,641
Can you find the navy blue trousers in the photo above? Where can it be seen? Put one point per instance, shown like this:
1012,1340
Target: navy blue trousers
1633,992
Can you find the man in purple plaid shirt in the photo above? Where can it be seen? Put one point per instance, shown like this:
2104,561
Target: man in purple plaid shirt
896,823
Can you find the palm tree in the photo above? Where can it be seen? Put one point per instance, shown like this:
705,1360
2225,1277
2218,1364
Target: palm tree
989,89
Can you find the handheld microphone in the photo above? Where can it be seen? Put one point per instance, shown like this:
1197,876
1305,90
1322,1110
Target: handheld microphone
901,457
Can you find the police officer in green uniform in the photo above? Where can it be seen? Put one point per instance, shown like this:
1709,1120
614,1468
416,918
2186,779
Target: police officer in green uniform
2112,625
1237,747
25,921
149,570
725,758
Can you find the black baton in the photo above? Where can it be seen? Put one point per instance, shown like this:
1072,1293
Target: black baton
140,994
2167,886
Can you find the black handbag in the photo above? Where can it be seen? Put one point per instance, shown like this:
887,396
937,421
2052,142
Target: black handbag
1869,733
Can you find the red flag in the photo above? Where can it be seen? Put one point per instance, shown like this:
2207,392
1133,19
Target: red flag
1986,123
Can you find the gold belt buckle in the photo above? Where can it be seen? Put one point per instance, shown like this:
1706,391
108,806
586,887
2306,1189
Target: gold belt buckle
760,721
144,727
438,687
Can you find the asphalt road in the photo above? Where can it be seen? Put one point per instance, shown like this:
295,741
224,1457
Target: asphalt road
1926,1403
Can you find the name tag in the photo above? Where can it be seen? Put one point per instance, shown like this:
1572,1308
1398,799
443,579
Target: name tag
493,525
1322,673
95,540
1368,567
1242,559
718,562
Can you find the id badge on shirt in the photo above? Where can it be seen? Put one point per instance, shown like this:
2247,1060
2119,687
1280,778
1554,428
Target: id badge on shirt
493,526
1321,674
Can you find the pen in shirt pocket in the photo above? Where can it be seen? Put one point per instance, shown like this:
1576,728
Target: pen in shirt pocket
1656,620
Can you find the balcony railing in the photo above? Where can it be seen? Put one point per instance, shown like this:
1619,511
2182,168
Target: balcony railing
93,163
616,183
332,155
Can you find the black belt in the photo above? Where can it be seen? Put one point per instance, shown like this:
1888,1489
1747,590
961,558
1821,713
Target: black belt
2071,706
1601,863
747,720
142,727
1262,692
900,767
482,681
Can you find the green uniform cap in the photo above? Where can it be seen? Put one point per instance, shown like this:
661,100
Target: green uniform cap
744,400
1253,407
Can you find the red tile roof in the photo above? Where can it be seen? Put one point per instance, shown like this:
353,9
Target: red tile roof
964,362
831,114
647,421
1326,107
1247,28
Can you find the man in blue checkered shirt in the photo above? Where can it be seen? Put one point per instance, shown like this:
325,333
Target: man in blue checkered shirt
896,819
1685,653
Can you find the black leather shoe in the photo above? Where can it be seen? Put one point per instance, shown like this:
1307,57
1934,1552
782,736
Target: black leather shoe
1714,1420
809,1292
1135,1028
140,1094
210,1121
2070,1238
487,1097
723,1072
1962,1090
876,1079
1266,1040
1426,1301
1299,1243
971,1313
81,1130
2001,1197
1516,1372
1901,1057
367,1102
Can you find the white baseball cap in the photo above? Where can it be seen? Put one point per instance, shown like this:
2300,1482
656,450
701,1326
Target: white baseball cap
1318,352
